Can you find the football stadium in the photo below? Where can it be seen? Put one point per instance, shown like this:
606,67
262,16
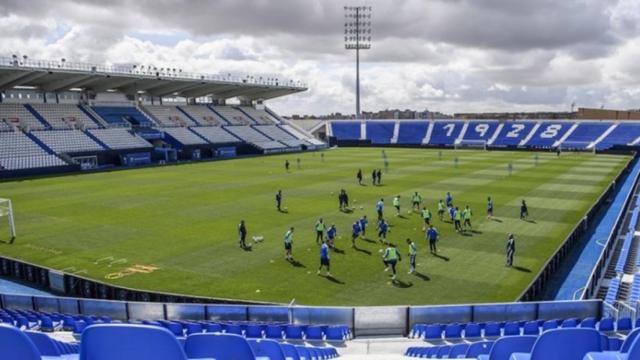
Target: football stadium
160,212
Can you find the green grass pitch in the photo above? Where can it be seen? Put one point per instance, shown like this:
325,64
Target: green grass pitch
182,220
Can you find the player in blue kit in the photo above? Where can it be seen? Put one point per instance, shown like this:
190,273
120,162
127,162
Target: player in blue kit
355,232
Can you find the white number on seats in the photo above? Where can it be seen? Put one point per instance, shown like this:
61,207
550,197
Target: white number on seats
482,129
551,131
449,128
515,132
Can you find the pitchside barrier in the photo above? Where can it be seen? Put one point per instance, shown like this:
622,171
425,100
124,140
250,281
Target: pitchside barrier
363,321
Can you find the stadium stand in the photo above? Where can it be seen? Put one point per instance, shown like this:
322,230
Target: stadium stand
203,115
346,130
18,116
301,135
480,130
215,134
168,115
184,136
65,116
585,134
65,141
17,151
547,134
233,115
260,116
122,116
412,132
623,134
250,135
380,132
119,138
445,132
513,133
278,134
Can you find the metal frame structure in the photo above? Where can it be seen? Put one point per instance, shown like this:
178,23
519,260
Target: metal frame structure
6,209
357,36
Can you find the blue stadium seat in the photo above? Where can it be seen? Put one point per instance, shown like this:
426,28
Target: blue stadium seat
218,346
213,328
232,329
453,331
615,344
630,350
303,353
492,329
16,345
335,333
126,341
445,132
253,331
511,328
548,133
512,133
412,132
606,324
193,328
624,324
479,348
472,330
549,325
433,331
443,351
380,132
314,333
504,347
267,348
45,345
458,350
569,323
346,130
290,351
294,332
273,331
531,328
589,323
553,345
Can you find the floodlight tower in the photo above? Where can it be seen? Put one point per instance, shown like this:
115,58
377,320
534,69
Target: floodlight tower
357,36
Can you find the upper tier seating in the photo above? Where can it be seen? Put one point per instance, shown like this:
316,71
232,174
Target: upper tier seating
380,132
169,116
584,134
623,134
184,136
17,115
278,134
64,141
215,134
346,130
412,132
122,115
548,133
445,132
65,116
248,134
513,133
119,138
260,116
233,115
203,115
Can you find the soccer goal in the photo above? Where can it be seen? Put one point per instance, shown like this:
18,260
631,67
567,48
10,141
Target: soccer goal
470,144
582,146
6,210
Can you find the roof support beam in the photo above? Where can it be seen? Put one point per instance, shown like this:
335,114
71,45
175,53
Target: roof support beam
171,88
111,83
69,83
9,81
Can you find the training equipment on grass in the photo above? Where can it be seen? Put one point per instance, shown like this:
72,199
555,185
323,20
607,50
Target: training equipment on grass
258,238
6,210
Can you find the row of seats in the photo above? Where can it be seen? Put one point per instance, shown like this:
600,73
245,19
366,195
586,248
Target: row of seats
139,342
65,116
543,134
233,115
169,116
215,134
260,116
18,116
457,331
31,162
561,344
65,141
203,115
119,138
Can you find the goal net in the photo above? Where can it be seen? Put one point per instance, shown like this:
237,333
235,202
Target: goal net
470,144
583,146
6,211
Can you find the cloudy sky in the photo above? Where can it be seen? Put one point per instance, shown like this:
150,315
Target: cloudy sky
444,55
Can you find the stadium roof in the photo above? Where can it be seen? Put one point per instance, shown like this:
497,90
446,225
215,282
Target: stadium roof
56,76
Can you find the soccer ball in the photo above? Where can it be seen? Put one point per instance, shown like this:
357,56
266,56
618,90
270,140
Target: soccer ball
408,211
258,290
355,201
258,238
361,207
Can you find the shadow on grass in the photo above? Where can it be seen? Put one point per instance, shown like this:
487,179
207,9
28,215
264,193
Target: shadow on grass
247,248
338,251
362,250
369,241
334,280
520,268
422,277
496,220
441,257
346,210
530,221
401,284
283,211
297,263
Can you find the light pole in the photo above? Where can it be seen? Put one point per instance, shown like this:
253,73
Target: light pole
357,36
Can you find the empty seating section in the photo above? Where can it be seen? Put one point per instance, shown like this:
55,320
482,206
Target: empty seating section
122,115
412,132
585,134
32,162
346,130
445,132
480,130
215,134
17,115
260,116
203,115
623,134
119,138
233,115
184,136
612,291
65,116
168,115
254,137
380,132
18,152
512,133
548,133
278,134
301,135
66,141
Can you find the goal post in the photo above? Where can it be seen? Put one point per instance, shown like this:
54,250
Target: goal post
470,144
6,210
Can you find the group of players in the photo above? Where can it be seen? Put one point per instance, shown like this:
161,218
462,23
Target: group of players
326,235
